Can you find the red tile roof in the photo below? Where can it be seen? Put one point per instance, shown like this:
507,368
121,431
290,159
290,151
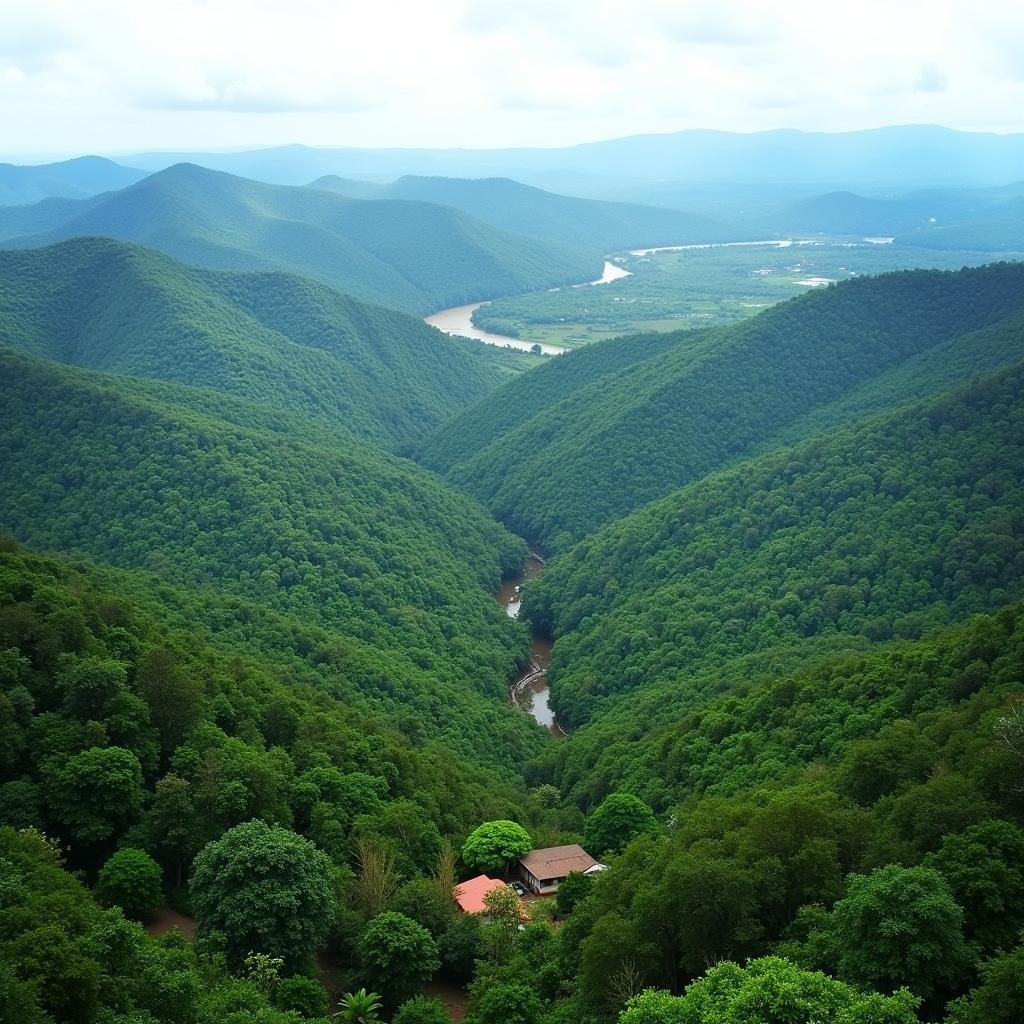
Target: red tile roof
470,895
557,861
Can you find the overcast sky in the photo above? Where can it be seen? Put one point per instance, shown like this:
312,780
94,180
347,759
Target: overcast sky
111,75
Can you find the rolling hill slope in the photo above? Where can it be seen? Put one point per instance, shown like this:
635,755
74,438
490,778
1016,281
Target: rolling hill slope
585,455
882,530
513,206
315,552
70,179
416,257
274,338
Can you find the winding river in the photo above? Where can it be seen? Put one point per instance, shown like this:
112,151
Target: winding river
458,320
530,691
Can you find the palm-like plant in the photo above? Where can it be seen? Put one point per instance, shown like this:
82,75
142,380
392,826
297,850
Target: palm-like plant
359,1007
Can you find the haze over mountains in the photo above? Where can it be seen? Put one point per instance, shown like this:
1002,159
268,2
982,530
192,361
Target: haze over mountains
411,256
909,156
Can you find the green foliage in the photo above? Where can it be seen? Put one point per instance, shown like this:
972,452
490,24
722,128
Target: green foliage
304,995
768,991
407,255
574,888
397,955
360,1007
421,1010
810,549
507,1004
900,927
494,844
361,571
130,879
426,903
267,889
297,348
572,458
617,821
984,867
999,997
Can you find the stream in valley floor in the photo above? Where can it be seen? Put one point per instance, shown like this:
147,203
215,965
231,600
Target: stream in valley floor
529,691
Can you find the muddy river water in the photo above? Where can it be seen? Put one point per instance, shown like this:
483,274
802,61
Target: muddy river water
530,690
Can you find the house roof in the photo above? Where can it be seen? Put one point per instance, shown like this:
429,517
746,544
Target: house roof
557,861
470,895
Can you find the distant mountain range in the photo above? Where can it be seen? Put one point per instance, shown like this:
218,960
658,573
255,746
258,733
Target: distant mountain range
70,179
412,256
514,206
907,156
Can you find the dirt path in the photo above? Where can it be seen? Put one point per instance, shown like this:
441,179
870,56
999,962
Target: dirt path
164,919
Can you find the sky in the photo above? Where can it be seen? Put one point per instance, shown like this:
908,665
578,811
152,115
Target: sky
111,76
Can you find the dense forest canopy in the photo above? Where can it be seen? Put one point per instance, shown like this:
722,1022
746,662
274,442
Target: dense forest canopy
254,681
276,339
604,443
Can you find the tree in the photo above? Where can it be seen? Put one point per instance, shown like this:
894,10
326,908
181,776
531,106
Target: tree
360,1007
304,995
377,881
984,867
768,991
267,889
619,819
97,793
423,900
574,889
512,1003
493,844
899,927
397,955
999,997
460,947
131,880
170,824
173,695
421,1010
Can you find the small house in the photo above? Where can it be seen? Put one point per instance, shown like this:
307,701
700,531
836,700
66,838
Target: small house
544,870
470,895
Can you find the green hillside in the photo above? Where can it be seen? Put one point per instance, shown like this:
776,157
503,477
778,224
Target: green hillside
390,569
593,451
416,257
513,206
273,338
883,530
70,179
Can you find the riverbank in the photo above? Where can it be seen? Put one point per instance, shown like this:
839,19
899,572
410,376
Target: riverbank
529,691
458,320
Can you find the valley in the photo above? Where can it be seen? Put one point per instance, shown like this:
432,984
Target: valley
359,659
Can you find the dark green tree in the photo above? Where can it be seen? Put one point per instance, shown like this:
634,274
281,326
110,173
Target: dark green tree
131,879
421,1010
397,956
266,889
620,818
900,927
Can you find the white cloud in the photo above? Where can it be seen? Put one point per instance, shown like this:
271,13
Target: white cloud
118,75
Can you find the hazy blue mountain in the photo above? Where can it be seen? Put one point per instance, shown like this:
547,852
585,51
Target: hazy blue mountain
906,156
993,228
70,179
412,256
514,206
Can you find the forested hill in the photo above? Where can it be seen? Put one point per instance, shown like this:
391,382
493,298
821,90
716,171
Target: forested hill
513,206
595,452
882,530
416,257
389,571
69,179
994,227
274,338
